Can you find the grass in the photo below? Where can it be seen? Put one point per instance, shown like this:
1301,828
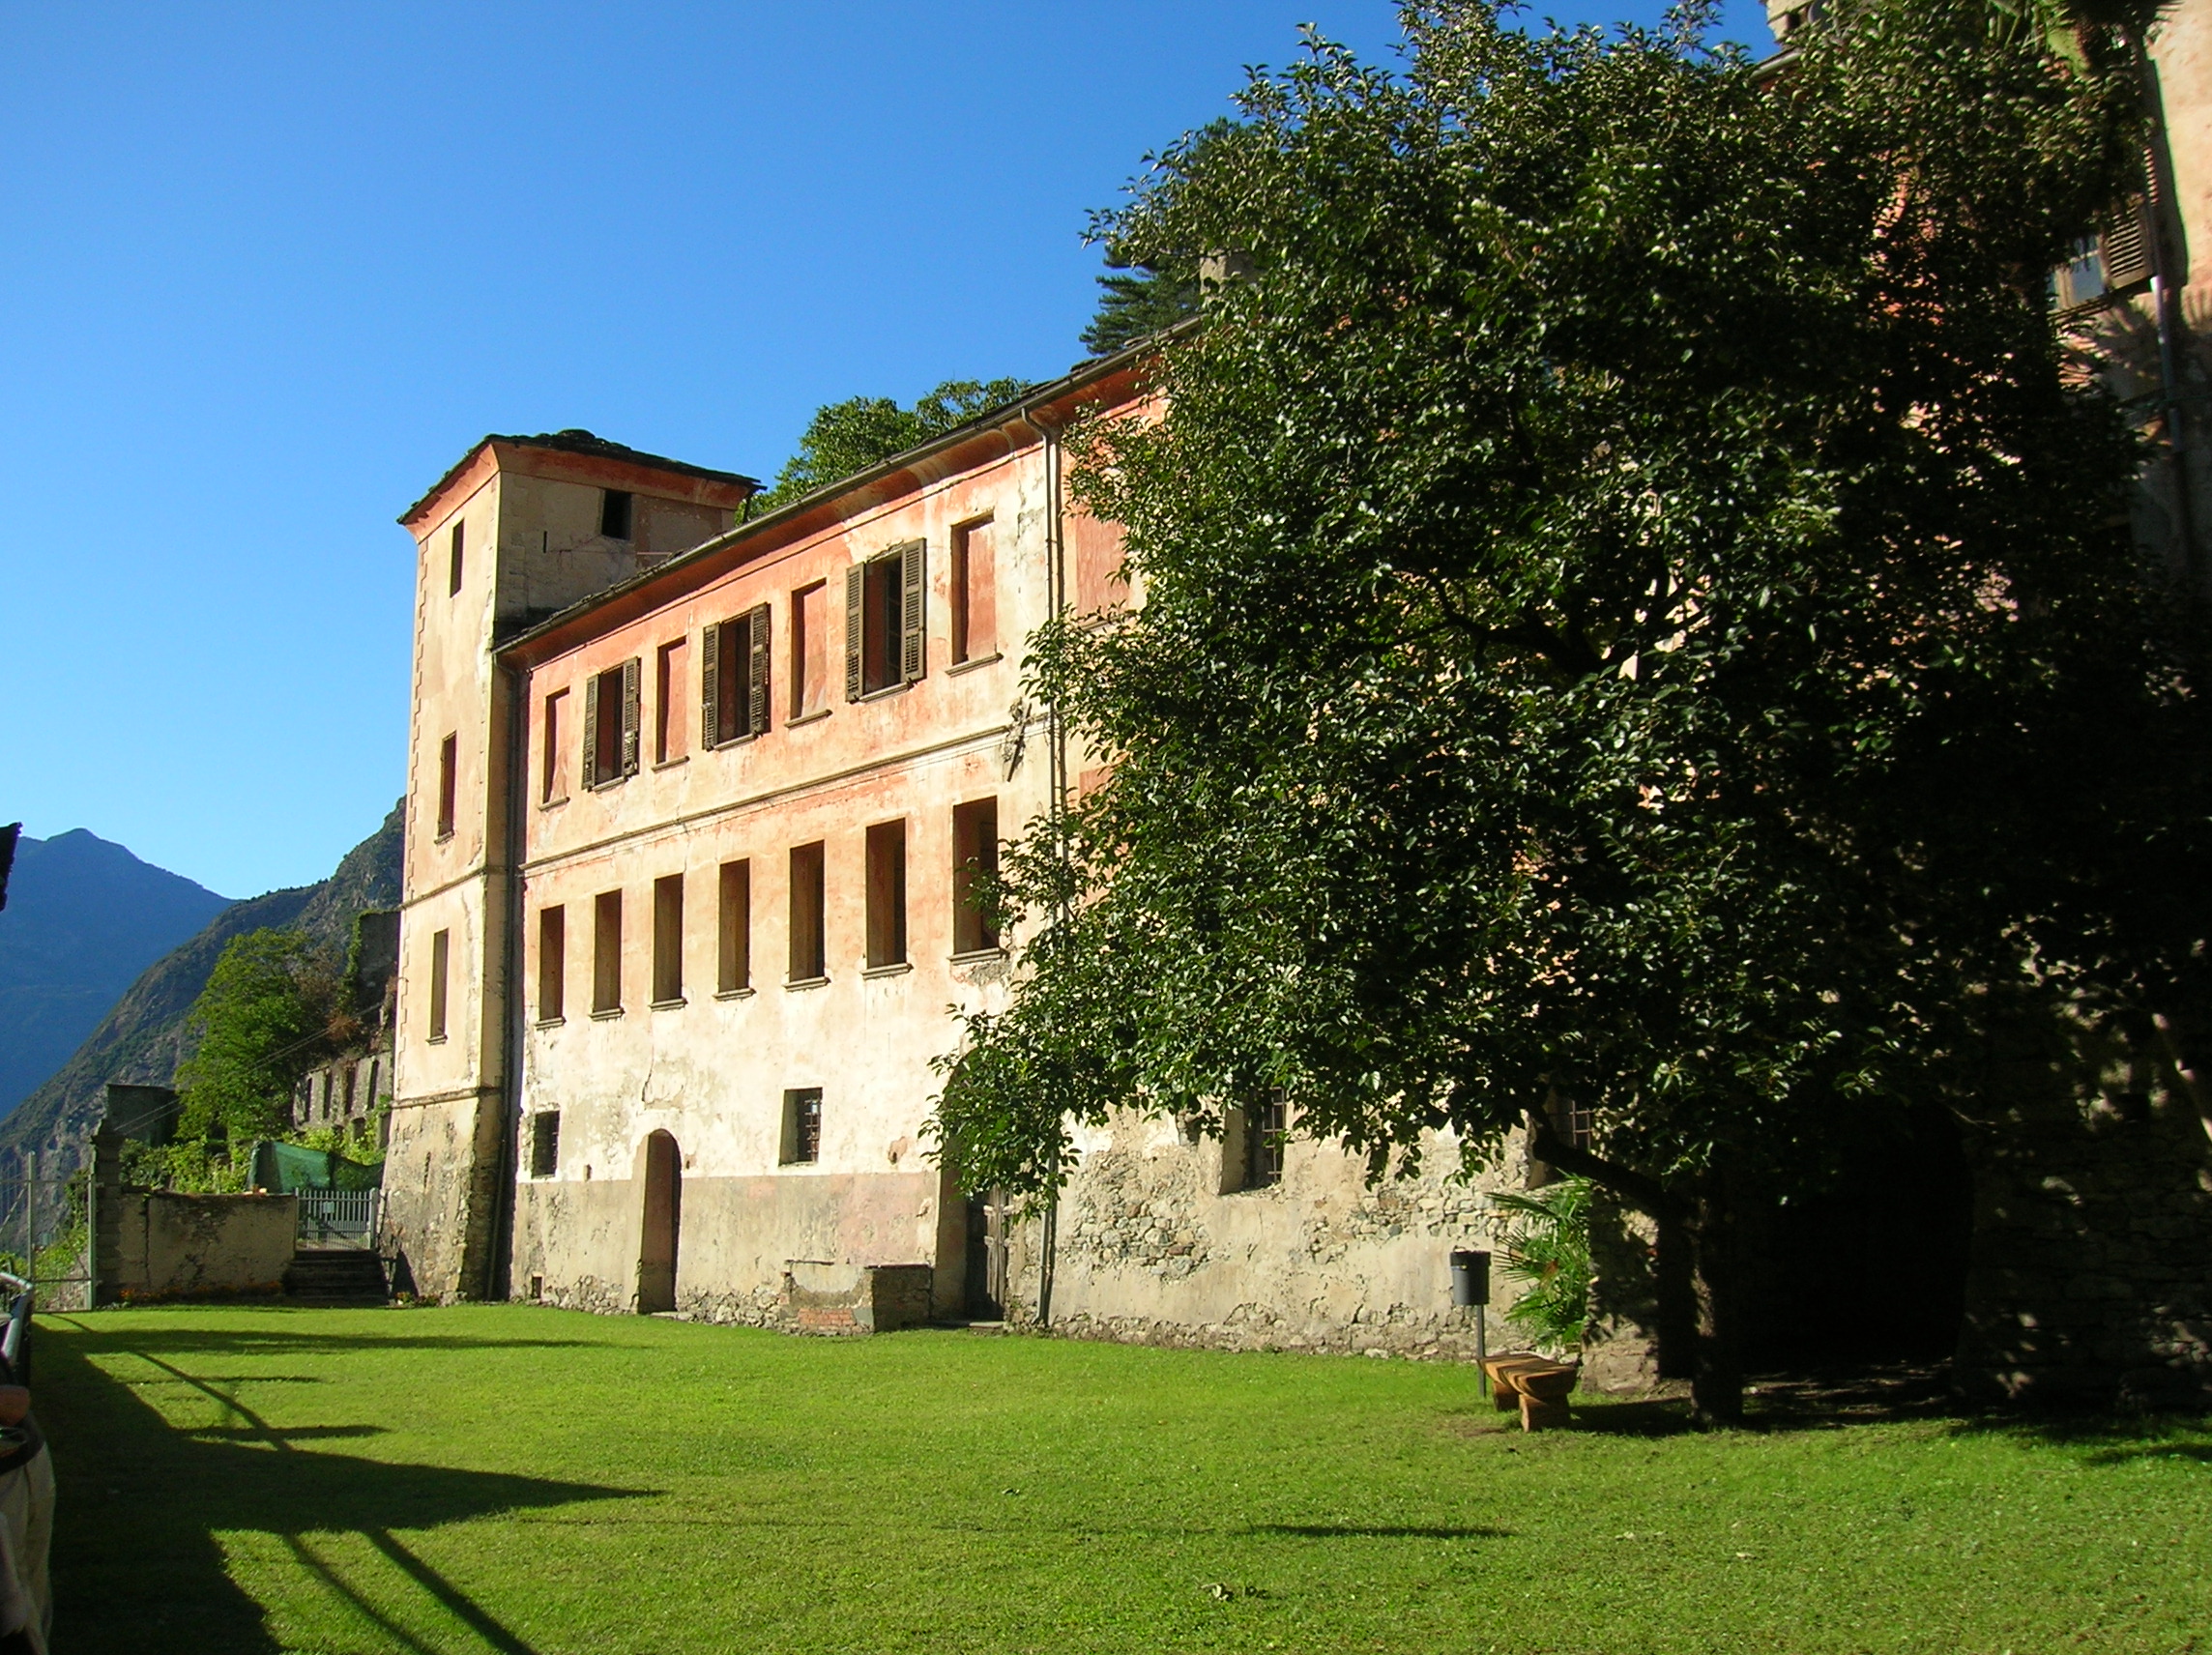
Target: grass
520,1480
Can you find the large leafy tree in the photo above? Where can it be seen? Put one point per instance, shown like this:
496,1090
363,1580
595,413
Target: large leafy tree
272,1009
1633,614
846,438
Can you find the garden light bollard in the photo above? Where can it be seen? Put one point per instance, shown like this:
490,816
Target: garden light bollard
1471,1286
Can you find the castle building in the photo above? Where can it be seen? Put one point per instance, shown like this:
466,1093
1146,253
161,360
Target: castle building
694,806
694,801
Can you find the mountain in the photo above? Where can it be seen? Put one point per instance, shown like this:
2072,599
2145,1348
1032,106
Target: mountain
83,918
142,1038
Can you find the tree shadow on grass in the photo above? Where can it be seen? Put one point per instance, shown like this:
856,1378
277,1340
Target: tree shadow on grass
277,1332
2107,1437
1377,1531
136,1562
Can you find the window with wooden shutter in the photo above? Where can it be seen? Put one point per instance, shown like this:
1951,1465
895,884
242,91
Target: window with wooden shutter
441,951
591,765
756,671
710,688
856,629
632,714
2124,247
913,593
733,949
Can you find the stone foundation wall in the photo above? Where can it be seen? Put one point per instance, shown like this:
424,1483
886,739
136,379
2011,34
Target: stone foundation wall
1151,1250
2090,1275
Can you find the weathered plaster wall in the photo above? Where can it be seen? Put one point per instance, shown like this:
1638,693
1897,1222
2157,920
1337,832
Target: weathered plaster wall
531,545
578,1239
1149,1251
712,1069
182,1246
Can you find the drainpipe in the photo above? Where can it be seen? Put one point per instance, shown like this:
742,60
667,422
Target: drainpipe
1056,755
499,1259
2164,307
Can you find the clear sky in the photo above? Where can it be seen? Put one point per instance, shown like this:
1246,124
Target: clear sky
266,271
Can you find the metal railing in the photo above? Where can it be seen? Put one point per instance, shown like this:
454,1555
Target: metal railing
337,1217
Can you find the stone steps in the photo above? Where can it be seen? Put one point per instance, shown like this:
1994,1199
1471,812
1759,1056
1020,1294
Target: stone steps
336,1276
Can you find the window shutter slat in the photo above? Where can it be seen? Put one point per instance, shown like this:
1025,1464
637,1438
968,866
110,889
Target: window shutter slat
2124,247
711,687
631,719
592,776
756,673
855,583
914,590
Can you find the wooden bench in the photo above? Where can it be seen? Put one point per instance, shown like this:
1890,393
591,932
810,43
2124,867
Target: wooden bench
1536,1385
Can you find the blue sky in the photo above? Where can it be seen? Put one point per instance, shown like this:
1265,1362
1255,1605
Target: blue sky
266,271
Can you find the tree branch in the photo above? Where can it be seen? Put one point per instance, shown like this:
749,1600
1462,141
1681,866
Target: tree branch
1646,1194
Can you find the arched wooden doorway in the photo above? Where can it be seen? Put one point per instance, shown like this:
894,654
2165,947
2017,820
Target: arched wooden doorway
664,1219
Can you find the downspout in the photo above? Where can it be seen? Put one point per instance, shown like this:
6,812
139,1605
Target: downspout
499,1259
1055,761
2165,305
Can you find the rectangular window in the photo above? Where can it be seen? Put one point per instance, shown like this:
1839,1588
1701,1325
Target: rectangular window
439,951
606,953
809,650
453,564
734,679
545,1142
802,1126
668,703
885,612
449,759
668,940
974,855
615,514
1264,1124
612,716
552,781
733,950
552,963
809,954
886,894
975,592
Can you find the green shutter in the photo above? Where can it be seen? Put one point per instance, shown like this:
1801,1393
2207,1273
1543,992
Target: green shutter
710,687
856,586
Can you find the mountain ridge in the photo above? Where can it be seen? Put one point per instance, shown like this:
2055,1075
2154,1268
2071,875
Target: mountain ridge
143,1037
85,918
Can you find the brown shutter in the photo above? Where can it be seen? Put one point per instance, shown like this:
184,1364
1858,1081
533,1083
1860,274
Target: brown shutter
630,720
913,588
592,776
2124,247
856,585
711,687
756,672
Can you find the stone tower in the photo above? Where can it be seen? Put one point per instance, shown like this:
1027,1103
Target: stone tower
521,528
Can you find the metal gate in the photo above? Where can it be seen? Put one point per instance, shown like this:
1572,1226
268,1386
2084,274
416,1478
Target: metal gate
337,1217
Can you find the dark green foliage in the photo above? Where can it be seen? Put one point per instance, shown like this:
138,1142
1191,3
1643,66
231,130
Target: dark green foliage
269,1013
846,438
1634,610
1138,298
1137,301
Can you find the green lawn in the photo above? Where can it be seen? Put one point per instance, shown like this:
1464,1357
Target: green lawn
525,1480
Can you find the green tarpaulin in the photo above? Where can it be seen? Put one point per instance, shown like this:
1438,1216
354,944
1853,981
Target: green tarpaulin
288,1167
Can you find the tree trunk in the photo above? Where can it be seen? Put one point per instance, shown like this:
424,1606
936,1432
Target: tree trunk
1716,1384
